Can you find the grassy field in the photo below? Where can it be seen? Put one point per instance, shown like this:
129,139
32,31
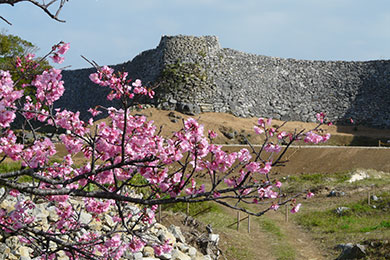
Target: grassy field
318,224
362,220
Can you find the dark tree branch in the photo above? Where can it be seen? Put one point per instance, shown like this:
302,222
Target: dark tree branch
5,20
40,4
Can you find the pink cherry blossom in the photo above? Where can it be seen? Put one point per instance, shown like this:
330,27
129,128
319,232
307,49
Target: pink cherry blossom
281,135
136,244
258,130
243,155
267,168
312,137
320,117
253,167
94,112
261,122
63,48
296,208
272,148
309,195
14,193
57,58
230,182
325,137
212,134
271,131
49,86
137,83
161,249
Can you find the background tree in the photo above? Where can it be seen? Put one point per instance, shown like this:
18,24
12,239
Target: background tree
17,56
12,46
17,53
52,7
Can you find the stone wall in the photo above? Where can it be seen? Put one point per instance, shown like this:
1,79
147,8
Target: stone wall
196,75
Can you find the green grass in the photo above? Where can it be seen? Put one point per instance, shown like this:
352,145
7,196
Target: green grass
9,167
338,180
194,208
282,249
270,227
383,224
317,178
238,253
14,166
297,183
359,219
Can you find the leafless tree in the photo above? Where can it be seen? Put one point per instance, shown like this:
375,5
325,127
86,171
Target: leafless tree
52,8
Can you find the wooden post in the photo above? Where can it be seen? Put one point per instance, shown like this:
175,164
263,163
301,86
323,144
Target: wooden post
369,198
249,224
238,220
286,216
188,209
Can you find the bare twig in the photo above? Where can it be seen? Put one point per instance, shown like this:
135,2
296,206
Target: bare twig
5,20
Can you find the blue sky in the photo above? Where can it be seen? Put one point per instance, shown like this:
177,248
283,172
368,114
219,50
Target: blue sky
115,31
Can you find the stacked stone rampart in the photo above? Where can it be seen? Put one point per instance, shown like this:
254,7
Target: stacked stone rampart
195,74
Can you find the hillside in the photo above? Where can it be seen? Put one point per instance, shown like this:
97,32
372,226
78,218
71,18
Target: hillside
236,127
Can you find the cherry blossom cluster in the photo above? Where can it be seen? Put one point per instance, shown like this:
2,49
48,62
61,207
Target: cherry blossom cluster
58,50
316,135
49,86
119,84
17,218
122,155
26,63
8,96
315,138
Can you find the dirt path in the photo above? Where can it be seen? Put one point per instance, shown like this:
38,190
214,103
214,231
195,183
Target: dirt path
306,248
286,240
259,244
270,238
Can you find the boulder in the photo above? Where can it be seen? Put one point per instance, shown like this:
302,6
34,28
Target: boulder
352,252
336,193
178,255
176,232
341,210
188,108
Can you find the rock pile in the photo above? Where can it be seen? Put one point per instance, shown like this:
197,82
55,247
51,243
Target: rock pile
45,213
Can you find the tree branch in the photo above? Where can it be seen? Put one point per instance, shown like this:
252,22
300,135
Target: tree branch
5,20
40,4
